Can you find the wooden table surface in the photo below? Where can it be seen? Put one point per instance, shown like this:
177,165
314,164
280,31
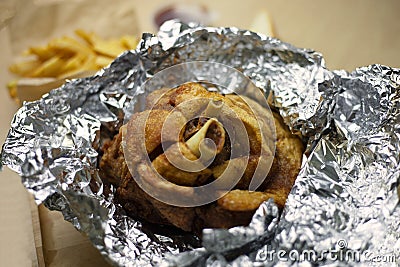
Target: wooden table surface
350,33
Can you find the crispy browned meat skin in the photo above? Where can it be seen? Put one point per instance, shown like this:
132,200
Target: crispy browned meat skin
237,206
175,175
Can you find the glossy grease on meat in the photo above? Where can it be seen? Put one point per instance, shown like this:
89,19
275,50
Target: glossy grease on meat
234,208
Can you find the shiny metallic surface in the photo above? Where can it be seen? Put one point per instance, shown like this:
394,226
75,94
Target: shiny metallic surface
346,190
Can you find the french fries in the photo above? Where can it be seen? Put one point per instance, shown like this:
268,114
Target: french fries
67,56
48,66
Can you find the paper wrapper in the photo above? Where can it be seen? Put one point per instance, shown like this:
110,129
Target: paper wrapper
344,200
71,15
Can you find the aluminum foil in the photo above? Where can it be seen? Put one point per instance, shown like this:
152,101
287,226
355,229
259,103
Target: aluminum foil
344,202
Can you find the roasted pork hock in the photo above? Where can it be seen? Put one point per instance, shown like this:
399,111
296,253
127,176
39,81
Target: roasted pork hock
233,208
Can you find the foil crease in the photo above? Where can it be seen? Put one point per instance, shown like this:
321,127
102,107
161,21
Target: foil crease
346,190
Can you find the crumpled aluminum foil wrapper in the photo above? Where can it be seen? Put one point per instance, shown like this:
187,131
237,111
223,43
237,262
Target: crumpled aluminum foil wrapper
345,199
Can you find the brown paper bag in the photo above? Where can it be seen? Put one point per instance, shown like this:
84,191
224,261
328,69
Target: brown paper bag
36,22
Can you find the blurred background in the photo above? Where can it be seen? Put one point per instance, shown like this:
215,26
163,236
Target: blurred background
349,33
